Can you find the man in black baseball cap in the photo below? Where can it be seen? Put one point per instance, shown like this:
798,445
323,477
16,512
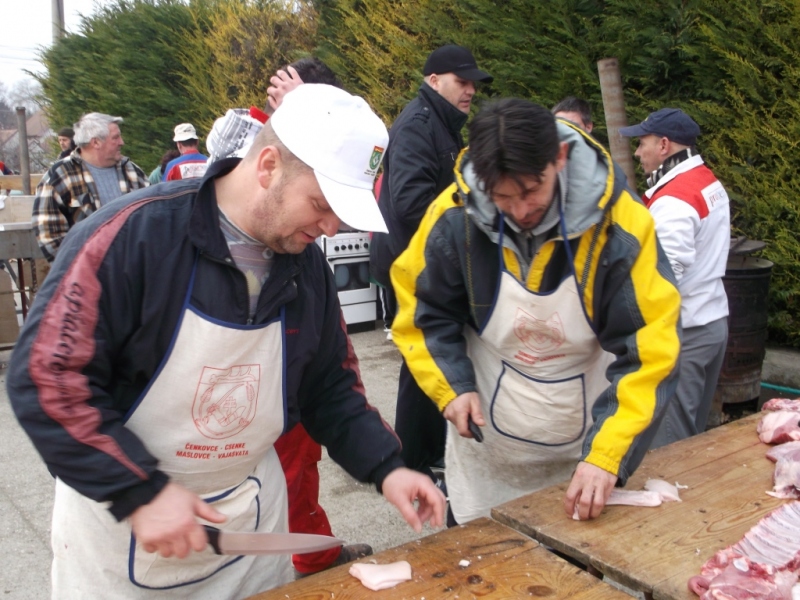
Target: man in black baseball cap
424,142
691,210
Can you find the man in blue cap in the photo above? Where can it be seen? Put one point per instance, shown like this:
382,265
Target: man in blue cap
691,210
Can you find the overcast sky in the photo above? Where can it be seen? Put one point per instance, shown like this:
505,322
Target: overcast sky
28,26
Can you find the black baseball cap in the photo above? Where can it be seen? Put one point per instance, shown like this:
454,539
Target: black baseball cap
671,123
66,132
455,59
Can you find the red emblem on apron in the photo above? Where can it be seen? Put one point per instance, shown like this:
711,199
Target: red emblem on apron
225,402
539,335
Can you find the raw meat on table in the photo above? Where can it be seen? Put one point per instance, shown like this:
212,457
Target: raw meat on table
782,404
766,560
380,577
786,478
745,580
787,450
779,427
667,491
633,498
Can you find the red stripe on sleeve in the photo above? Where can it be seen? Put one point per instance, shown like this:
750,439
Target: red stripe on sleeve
65,344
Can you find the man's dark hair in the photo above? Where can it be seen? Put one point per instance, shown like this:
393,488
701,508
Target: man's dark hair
578,105
313,70
512,137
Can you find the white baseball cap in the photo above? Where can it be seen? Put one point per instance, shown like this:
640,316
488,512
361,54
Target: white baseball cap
343,141
183,132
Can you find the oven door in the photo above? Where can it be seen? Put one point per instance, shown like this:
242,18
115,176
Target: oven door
351,275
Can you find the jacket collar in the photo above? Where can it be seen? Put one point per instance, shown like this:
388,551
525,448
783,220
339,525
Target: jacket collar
682,167
76,157
448,114
204,227
586,185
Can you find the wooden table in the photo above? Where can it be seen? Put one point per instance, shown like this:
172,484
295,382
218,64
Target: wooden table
502,564
657,550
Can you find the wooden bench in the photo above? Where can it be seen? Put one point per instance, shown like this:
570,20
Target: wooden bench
502,564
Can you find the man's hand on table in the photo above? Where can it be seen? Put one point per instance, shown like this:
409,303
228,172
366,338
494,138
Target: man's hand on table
588,491
461,408
168,524
403,486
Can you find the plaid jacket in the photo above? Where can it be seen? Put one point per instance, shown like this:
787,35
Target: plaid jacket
67,194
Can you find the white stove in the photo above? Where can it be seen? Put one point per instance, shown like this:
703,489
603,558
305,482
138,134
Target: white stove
348,256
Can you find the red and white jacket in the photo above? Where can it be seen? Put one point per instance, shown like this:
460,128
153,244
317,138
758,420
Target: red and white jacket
692,213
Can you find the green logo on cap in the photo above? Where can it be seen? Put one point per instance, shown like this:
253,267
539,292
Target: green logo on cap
375,159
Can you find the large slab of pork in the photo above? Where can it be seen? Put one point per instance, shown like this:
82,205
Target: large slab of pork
782,404
765,563
786,477
779,427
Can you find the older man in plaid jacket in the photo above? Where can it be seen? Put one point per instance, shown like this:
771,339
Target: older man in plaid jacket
76,186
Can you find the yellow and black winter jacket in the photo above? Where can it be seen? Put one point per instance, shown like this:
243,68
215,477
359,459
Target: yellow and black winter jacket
447,280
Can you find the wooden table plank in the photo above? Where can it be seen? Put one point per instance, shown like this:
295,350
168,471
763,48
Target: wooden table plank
656,550
14,182
503,564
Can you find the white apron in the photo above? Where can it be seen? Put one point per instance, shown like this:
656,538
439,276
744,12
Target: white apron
210,415
539,368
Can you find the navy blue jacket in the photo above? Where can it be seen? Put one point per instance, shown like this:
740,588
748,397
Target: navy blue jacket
104,318
424,142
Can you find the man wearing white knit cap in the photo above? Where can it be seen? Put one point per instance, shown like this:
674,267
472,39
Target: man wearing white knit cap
209,324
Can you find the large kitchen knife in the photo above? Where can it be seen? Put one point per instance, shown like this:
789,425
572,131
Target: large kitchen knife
228,542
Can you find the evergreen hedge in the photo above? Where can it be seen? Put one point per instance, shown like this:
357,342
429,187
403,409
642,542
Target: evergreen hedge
124,63
732,66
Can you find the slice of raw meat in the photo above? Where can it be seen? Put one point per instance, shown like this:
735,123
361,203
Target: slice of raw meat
789,450
667,491
782,404
381,577
746,580
779,427
633,498
786,478
770,548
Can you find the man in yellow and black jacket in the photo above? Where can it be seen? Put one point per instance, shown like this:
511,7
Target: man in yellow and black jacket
536,301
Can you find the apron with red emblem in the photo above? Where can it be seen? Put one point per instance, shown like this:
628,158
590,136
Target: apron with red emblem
538,367
210,415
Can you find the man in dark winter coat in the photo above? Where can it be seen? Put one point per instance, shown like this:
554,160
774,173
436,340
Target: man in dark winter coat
424,143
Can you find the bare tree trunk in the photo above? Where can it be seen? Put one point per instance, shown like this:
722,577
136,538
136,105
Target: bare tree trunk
57,9
614,108
24,158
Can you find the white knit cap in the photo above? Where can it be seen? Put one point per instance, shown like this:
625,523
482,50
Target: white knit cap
343,141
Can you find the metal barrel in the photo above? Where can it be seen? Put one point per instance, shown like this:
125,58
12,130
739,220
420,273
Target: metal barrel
747,285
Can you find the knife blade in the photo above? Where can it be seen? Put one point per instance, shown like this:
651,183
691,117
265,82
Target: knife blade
228,542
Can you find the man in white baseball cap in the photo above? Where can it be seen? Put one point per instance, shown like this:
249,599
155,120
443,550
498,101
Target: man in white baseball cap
211,302
191,163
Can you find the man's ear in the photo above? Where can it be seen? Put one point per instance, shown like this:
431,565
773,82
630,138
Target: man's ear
665,147
268,166
561,157
433,81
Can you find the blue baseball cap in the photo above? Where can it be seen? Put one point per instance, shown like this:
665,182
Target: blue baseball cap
671,123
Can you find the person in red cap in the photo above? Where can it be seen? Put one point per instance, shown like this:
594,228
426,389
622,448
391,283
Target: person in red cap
692,214
424,142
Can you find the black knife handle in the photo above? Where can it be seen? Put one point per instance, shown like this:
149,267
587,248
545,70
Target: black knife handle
213,538
474,429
